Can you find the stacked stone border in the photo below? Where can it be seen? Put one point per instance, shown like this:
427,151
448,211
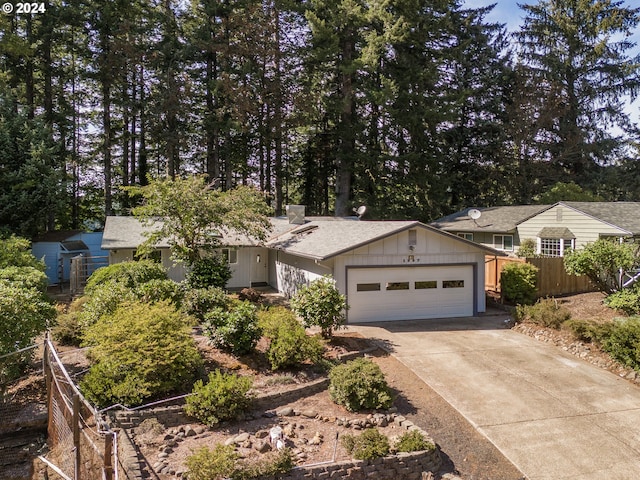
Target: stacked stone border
408,466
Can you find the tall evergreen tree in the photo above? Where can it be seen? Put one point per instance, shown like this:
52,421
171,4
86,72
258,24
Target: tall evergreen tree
577,54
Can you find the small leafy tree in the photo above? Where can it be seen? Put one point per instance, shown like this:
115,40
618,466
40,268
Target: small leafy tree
223,397
518,282
138,352
321,304
601,261
194,214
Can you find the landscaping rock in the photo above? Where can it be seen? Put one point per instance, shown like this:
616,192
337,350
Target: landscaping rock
285,412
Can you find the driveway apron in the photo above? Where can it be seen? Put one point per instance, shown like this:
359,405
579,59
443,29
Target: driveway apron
551,414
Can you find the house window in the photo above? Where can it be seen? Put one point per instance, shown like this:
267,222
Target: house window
466,236
398,286
555,247
453,284
413,238
231,255
426,284
503,242
368,287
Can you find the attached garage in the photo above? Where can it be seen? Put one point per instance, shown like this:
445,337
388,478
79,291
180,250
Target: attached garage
388,270
378,294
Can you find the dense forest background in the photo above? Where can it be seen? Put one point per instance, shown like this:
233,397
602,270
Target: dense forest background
415,108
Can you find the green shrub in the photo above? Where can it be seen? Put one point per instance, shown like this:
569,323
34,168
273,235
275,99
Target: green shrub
527,248
223,397
623,343
321,304
413,441
25,277
588,331
157,290
601,261
105,299
224,463
208,272
16,252
216,464
236,330
370,444
626,300
67,330
269,465
139,352
290,345
130,274
545,312
518,283
359,384
24,314
198,301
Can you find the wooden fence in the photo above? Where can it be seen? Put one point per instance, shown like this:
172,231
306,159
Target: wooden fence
552,277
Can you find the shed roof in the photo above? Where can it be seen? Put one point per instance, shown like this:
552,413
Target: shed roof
493,219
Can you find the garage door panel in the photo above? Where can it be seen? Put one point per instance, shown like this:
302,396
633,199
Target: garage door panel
370,300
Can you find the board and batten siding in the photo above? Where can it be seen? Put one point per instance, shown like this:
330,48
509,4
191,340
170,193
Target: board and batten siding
431,249
585,228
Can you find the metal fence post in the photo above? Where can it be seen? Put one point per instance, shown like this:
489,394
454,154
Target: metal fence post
76,435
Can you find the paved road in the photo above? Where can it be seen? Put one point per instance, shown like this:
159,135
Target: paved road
553,415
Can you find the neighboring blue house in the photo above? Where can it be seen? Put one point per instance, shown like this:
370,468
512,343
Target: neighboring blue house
57,249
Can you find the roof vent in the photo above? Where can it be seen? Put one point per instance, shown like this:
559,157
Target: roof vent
295,214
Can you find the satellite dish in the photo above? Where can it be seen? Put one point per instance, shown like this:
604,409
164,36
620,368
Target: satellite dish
474,213
360,210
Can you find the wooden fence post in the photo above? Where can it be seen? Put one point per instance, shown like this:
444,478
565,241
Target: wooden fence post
108,456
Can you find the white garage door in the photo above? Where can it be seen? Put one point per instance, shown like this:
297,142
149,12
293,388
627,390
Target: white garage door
396,293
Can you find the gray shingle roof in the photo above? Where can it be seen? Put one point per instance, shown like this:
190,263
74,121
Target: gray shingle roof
318,238
127,232
493,219
323,238
625,215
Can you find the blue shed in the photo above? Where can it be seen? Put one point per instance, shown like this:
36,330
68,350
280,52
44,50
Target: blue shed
57,249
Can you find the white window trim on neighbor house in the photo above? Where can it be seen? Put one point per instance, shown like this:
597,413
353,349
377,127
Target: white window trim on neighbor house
499,243
466,236
554,247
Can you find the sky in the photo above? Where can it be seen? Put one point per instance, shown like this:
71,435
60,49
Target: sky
508,12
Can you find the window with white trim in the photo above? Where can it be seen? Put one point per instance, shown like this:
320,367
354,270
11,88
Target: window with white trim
466,236
555,247
503,242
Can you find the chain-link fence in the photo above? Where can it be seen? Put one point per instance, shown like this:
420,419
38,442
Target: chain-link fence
81,446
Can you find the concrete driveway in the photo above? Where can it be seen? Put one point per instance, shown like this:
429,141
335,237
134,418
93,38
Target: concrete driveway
551,414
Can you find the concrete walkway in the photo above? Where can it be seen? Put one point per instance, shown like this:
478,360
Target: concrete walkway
553,415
